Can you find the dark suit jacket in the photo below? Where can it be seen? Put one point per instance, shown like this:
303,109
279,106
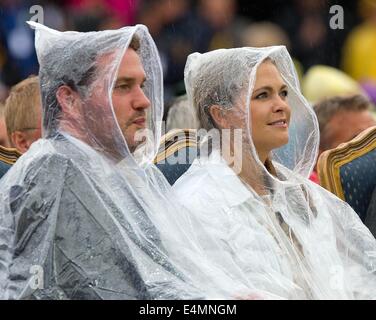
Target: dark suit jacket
4,167
370,220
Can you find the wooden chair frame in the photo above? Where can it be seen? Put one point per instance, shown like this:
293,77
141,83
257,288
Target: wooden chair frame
175,140
330,161
9,155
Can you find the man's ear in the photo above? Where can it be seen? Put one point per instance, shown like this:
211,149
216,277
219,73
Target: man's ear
20,141
217,114
67,99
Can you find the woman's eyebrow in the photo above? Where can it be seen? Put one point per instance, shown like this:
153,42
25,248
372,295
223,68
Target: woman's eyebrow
269,88
264,88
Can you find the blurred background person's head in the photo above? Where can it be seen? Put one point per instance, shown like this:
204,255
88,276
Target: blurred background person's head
342,118
264,34
156,14
182,115
4,140
218,13
23,114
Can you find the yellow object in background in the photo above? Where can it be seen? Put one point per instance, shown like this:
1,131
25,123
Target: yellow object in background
359,53
322,82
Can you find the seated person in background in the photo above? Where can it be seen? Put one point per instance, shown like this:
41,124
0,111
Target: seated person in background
341,119
181,116
85,206
283,234
4,140
23,114
4,143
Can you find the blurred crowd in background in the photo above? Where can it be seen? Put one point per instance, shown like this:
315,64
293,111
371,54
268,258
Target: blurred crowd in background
180,27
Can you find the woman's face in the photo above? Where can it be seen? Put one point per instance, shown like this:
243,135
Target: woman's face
269,110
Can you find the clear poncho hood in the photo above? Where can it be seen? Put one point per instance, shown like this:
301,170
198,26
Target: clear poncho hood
228,74
89,63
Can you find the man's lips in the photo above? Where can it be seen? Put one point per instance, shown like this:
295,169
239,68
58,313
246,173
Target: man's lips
281,123
140,121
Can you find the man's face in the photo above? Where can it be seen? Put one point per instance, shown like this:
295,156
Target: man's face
128,98
346,125
3,133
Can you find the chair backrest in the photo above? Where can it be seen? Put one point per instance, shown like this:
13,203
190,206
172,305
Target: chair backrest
178,149
349,171
8,156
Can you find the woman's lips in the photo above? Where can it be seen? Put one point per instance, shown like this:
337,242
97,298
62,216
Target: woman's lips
279,123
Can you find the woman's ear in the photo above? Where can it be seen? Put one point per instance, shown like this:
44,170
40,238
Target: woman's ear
67,99
218,116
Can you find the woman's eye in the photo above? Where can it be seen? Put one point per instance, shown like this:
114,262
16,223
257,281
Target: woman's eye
261,95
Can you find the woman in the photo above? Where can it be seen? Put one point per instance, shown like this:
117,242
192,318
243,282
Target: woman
284,235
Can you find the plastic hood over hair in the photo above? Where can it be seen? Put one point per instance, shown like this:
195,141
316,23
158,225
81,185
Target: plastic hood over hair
286,236
89,63
230,74
80,216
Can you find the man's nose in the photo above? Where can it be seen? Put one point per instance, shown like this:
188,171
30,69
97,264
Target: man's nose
141,100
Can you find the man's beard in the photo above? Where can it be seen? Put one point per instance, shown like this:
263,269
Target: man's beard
132,142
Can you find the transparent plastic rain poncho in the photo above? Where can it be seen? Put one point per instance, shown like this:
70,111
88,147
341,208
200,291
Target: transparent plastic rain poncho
83,217
285,236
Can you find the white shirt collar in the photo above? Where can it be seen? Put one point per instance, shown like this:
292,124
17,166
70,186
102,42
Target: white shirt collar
214,177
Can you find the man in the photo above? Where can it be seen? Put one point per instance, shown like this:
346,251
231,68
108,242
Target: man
341,119
23,114
81,216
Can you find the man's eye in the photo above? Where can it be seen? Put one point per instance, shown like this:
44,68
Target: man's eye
122,87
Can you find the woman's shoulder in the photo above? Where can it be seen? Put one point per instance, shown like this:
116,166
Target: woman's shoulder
211,184
195,183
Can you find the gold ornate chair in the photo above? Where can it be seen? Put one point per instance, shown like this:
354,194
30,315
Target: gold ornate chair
8,156
349,171
178,149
